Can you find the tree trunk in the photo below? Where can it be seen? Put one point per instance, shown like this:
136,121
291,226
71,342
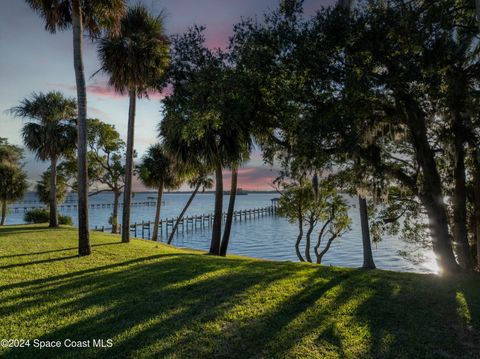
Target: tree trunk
83,226
299,239
460,232
476,203
4,213
157,212
368,262
308,240
116,195
231,207
431,194
319,240
53,193
477,12
127,193
325,250
217,219
177,222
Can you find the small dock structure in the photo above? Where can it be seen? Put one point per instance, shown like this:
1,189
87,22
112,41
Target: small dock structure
144,229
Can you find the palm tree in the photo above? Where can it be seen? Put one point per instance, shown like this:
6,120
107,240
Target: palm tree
44,187
156,171
206,117
236,136
50,135
239,151
230,210
135,60
198,152
13,184
200,181
94,16
9,153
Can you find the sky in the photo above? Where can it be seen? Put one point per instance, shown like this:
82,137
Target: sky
33,60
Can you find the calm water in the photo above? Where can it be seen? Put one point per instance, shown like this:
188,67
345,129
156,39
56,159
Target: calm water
268,237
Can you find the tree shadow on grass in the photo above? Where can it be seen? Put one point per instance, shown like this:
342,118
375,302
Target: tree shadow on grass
27,229
189,305
416,316
42,261
133,297
118,265
56,250
359,314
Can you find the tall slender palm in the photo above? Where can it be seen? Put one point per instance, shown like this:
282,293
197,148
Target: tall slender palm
135,60
236,135
230,210
200,181
204,151
51,135
202,117
239,152
93,16
156,171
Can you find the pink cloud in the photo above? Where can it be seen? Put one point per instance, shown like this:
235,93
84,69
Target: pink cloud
252,178
103,90
96,111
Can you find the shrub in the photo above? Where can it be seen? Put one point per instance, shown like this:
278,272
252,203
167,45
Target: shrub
38,215
41,215
65,220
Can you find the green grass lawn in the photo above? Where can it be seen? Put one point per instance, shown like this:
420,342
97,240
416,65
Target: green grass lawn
154,300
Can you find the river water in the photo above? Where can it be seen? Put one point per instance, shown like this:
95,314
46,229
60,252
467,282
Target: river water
268,237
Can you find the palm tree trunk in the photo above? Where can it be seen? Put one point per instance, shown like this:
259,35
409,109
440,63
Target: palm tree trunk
53,193
460,233
4,213
217,218
157,212
231,207
368,262
83,227
116,195
127,194
177,222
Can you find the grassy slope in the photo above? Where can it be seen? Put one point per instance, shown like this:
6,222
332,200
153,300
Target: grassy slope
154,300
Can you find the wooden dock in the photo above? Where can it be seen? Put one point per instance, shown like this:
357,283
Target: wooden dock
144,229
74,206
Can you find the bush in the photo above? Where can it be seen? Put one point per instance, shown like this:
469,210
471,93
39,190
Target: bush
38,215
65,220
41,215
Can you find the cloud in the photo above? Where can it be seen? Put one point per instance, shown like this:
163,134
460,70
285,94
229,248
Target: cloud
104,91
97,112
253,178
